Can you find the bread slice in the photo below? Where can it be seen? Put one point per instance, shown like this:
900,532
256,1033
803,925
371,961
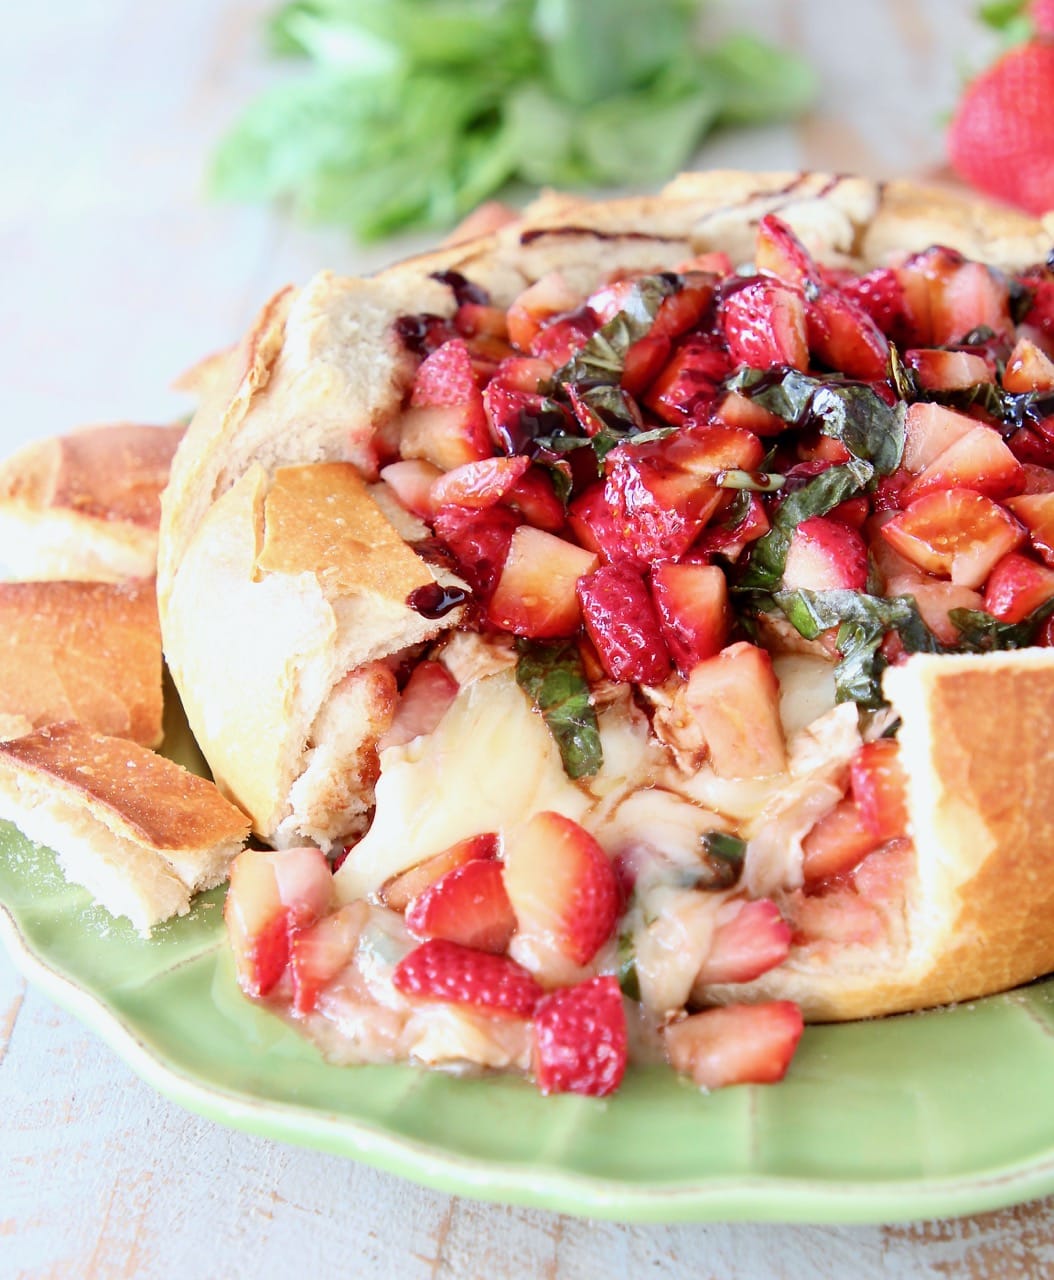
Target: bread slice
139,832
86,651
290,584
86,505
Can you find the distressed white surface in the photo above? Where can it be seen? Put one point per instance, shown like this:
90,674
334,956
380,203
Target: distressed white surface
115,276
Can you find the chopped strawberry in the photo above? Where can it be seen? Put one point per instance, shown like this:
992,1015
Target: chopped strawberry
948,370
1001,139
445,377
474,319
881,295
936,600
738,1044
445,435
825,555
947,297
479,541
645,360
763,322
320,952
1028,368
562,885
715,262
687,387
734,698
729,539
928,430
423,703
693,610
780,253
843,336
1017,586
621,621
524,373
954,533
594,524
536,590
580,1039
478,484
534,497
560,337
737,410
978,460
837,842
547,297
454,974
750,941
411,480
1035,510
467,905
399,892
879,788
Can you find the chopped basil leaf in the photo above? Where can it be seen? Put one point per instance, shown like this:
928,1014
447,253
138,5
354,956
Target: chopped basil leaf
727,848
756,481
902,377
627,967
768,556
851,412
603,357
552,675
979,632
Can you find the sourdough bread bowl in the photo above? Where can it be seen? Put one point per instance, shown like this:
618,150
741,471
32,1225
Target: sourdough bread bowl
285,570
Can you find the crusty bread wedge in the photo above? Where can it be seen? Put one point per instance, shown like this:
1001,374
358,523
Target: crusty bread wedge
138,831
86,505
323,370
86,651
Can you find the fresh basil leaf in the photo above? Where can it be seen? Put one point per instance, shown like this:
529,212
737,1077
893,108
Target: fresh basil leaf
627,966
902,376
758,81
553,676
603,357
641,138
858,675
979,632
768,556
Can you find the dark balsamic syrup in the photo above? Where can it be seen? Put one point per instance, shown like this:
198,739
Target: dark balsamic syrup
434,600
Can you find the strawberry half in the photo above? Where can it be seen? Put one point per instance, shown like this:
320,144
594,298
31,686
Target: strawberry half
580,1041
450,972
467,905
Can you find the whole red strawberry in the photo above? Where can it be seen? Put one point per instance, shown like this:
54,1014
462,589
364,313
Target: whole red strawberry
1001,139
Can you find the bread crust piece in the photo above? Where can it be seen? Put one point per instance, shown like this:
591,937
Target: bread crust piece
334,342
86,505
141,848
87,651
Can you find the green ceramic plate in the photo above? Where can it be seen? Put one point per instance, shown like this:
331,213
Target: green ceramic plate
917,1116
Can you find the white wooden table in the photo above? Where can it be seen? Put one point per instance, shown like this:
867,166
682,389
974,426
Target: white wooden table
116,275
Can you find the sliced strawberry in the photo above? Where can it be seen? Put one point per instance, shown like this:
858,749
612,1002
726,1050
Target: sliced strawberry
947,297
445,435
948,370
687,387
621,621
1036,513
879,788
843,336
524,373
534,497
1028,368
686,308
645,360
536,590
475,319
479,541
734,698
515,417
881,295
320,952
763,322
399,892
929,429
729,539
445,377
467,905
449,972
753,939
478,484
739,1044
547,297
1017,586
560,337
562,885
825,555
693,610
838,841
593,521
423,703
954,533
411,480
580,1039
936,600
778,252
737,410
978,460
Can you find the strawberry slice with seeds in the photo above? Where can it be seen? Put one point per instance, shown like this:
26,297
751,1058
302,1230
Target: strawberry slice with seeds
478,484
753,939
580,1039
780,253
825,555
621,620
739,1044
978,460
1017,586
534,497
400,892
954,533
687,387
843,336
319,953
480,542
763,322
536,590
1035,510
839,841
879,788
693,610
562,885
467,905
881,295
454,974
